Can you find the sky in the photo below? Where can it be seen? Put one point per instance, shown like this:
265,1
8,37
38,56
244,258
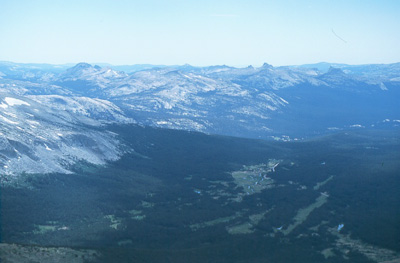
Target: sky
200,32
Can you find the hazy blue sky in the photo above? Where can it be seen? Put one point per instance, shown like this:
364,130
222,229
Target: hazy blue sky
200,32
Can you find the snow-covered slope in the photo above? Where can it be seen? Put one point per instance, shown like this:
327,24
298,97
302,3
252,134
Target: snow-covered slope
97,110
43,134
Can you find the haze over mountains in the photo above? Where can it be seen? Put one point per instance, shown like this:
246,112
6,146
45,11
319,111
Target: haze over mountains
54,115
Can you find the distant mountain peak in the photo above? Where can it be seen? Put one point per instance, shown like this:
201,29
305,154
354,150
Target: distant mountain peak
335,70
79,68
82,65
267,66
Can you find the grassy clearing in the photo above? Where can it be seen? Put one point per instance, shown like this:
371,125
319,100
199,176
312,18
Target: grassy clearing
303,213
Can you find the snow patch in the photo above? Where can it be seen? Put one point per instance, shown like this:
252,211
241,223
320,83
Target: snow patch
284,100
162,122
13,101
47,147
7,120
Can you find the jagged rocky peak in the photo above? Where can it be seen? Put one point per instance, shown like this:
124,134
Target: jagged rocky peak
267,66
335,71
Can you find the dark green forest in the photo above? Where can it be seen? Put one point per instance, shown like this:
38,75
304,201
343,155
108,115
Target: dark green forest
172,197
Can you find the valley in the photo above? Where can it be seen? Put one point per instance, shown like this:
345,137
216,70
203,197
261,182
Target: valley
186,196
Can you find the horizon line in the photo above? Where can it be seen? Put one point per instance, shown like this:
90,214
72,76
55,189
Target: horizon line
196,66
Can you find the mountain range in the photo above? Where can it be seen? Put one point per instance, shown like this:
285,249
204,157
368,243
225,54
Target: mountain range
54,115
